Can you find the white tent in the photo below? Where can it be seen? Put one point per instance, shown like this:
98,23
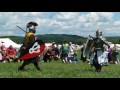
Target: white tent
8,42
118,46
48,44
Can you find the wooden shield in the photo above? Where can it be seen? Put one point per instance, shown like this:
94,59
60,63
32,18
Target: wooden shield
33,50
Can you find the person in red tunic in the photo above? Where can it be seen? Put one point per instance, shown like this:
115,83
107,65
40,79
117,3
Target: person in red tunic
11,54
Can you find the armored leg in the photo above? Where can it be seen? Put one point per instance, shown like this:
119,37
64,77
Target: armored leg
37,65
22,66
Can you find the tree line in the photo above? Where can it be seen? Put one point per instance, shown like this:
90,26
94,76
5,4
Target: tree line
59,38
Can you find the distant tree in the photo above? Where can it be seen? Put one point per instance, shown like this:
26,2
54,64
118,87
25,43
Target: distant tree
64,40
78,41
119,41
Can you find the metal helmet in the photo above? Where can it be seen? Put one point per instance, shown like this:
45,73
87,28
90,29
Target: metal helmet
32,26
99,33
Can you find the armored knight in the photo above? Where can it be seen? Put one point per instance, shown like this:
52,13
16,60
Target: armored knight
97,50
29,38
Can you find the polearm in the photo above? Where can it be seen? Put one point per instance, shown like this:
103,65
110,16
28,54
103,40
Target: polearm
21,29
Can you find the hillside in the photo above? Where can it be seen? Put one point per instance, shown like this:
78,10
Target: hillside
114,39
59,38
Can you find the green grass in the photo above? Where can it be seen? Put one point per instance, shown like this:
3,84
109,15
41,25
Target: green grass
58,70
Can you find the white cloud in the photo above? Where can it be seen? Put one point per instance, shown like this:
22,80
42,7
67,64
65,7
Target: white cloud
106,15
8,33
116,23
60,22
66,16
92,17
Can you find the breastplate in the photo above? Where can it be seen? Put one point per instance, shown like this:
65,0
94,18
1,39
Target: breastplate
98,43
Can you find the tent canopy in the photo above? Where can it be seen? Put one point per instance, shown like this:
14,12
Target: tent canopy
7,42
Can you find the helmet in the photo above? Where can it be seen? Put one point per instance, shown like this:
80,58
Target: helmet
70,43
99,33
32,26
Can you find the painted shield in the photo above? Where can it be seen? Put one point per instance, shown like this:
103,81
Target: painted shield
33,50
87,48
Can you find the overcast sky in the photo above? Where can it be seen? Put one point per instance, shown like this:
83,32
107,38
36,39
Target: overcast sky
75,23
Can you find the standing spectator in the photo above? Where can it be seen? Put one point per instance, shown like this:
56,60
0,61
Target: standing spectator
71,52
11,54
64,51
57,52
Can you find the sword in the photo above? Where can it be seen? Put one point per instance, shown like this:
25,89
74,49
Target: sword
21,29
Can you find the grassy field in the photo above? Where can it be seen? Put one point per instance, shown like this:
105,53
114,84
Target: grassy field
58,70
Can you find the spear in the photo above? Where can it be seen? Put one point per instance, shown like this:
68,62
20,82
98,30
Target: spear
21,29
